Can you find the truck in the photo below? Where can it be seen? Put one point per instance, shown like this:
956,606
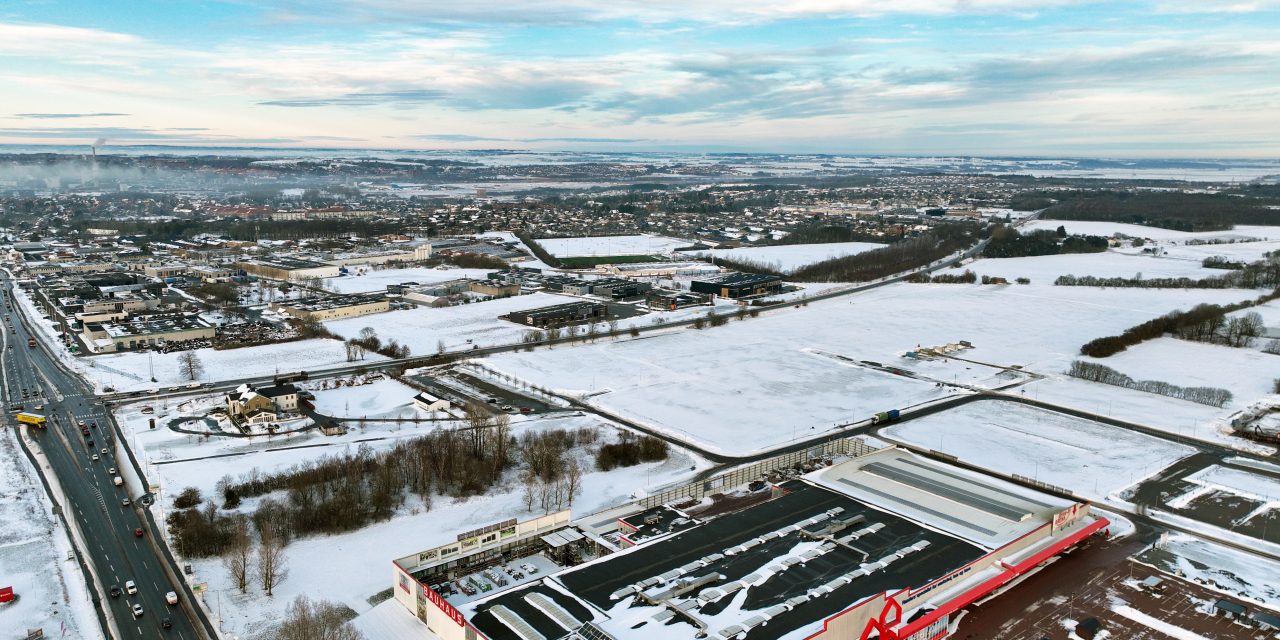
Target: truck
885,416
33,419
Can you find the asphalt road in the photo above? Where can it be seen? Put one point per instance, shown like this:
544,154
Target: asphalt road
91,498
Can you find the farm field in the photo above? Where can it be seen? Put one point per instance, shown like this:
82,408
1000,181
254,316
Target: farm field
788,258
636,245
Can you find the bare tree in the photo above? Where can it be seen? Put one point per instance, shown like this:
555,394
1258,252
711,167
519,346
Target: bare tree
367,334
440,348
572,480
190,366
530,481
320,620
238,554
272,563
479,421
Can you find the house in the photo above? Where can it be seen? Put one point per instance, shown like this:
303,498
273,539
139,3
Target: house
427,402
263,406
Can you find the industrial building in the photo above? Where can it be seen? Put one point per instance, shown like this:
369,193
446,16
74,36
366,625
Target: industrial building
737,285
885,545
106,337
671,300
560,315
289,269
497,288
320,309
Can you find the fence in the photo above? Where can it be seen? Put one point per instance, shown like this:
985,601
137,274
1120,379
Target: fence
853,447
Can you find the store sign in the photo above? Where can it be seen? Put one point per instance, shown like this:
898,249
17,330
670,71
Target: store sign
444,606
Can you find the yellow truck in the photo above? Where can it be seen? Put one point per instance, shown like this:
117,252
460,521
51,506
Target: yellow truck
33,419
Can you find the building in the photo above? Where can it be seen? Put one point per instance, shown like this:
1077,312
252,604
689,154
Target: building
105,337
495,288
886,545
262,406
426,402
672,300
737,285
560,315
618,288
165,270
320,309
288,269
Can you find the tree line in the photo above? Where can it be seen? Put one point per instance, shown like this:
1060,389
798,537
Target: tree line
1264,273
1095,372
1007,242
1202,323
538,250
1164,209
939,242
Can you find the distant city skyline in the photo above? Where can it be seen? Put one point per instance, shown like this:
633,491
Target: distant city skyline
1161,78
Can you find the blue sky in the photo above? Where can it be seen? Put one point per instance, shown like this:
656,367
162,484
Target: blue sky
1154,78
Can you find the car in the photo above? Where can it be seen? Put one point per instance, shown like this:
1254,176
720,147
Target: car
525,410
492,401
125,502
130,587
111,470
91,445
80,424
104,451
171,597
95,457
137,611
93,424
137,533
114,591
166,624
175,388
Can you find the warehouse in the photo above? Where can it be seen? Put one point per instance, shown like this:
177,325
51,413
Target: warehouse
886,545
136,334
619,289
321,309
560,315
496,288
737,285
289,269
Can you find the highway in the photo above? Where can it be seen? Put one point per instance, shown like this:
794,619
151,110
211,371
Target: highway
33,379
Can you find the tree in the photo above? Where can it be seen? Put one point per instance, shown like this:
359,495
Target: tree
238,553
320,620
189,497
190,366
272,565
572,480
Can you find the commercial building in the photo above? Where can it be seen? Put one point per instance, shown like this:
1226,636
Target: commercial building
495,288
105,337
320,309
886,545
618,288
427,402
672,300
289,269
737,285
560,315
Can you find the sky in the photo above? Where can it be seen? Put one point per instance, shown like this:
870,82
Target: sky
1158,78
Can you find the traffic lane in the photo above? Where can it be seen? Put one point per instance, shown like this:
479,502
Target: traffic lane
125,556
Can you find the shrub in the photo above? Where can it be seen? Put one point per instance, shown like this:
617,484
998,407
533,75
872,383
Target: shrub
189,498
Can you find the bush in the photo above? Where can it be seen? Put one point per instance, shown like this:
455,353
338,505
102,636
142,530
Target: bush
190,497
631,452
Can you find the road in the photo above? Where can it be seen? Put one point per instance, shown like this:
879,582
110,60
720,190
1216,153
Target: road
32,378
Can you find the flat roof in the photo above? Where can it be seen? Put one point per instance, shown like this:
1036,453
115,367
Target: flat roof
813,549
982,510
736,279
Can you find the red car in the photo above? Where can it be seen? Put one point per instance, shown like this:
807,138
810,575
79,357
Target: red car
137,533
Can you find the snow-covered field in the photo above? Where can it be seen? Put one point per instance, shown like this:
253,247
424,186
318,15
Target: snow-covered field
377,280
1108,264
1086,457
132,371
33,549
1247,373
788,258
641,245
743,386
1107,229
385,398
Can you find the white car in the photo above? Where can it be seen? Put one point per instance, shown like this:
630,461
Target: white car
112,471
137,611
171,597
95,457
130,588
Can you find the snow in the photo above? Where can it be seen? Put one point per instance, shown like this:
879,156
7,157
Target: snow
1156,624
640,245
377,280
1085,457
391,621
1107,264
1108,229
788,258
1254,486
33,549
131,371
1235,572
1246,373
384,398
743,386
179,460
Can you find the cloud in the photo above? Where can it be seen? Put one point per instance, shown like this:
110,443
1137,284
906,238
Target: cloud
90,135
58,116
362,99
457,137
462,137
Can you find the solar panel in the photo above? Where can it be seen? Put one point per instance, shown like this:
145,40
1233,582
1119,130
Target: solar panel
515,623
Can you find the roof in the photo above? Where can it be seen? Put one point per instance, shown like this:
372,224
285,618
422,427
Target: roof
736,279
1229,606
983,510
278,390
1268,619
